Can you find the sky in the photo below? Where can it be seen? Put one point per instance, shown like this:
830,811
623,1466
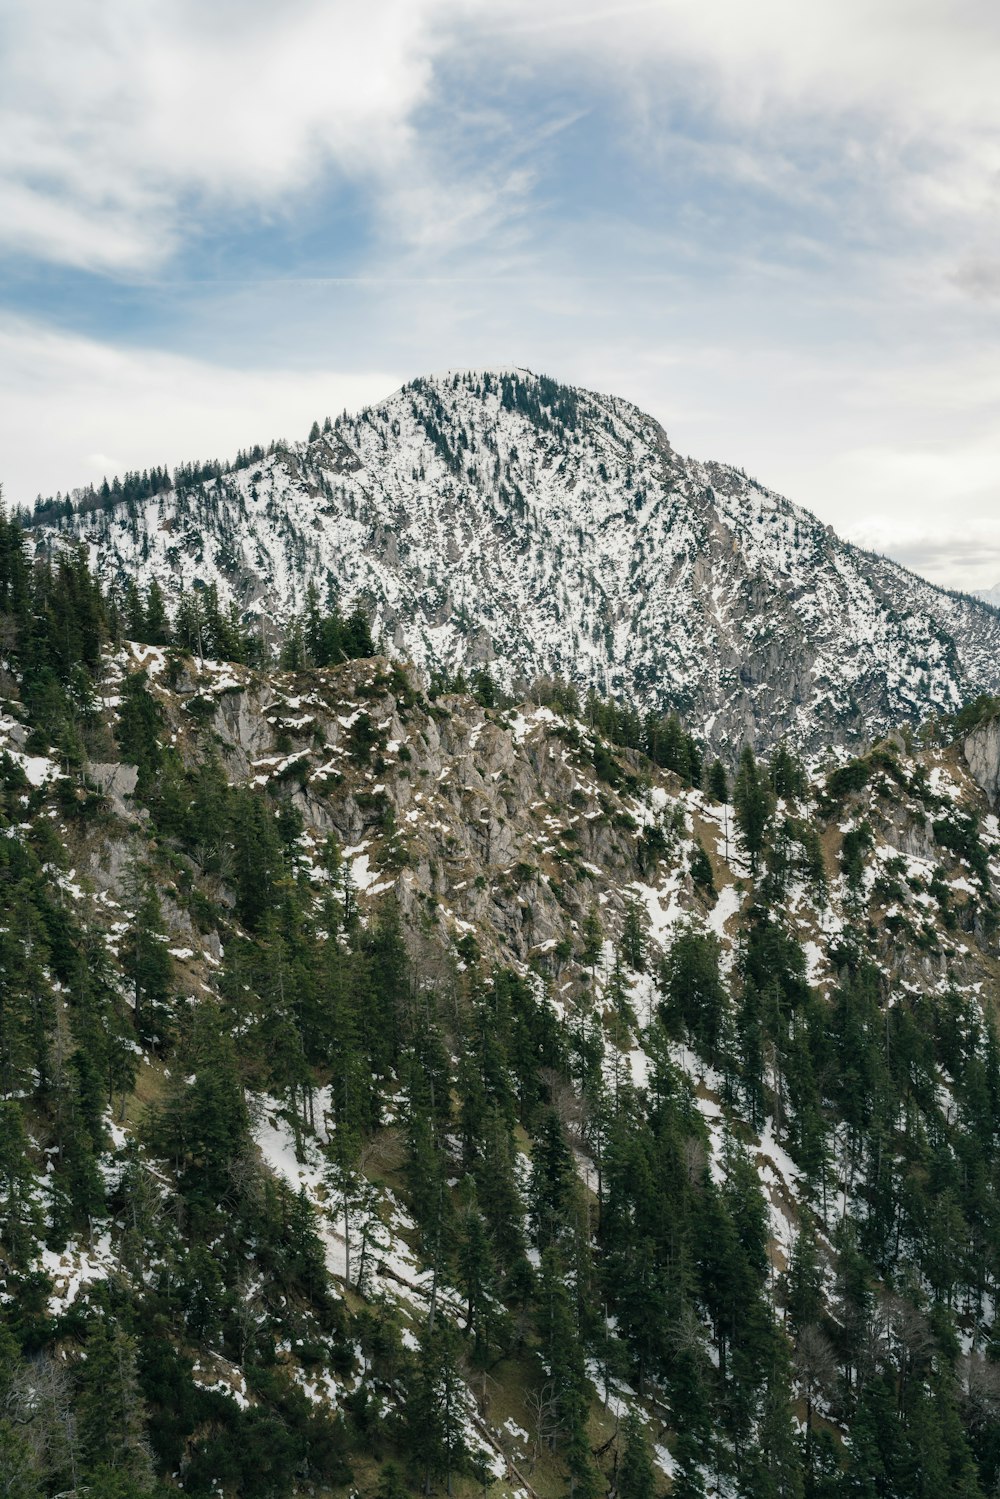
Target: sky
775,227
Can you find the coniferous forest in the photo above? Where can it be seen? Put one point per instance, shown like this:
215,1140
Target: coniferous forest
408,1090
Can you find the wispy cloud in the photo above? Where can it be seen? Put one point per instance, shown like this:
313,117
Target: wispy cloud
122,123
878,110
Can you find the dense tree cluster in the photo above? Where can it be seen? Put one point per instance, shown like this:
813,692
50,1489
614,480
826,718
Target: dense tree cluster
54,623
133,488
324,637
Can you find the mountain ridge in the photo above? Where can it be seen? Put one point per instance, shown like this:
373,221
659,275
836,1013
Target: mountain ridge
498,518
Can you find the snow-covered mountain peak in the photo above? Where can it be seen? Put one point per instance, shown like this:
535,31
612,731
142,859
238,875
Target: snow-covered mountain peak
497,516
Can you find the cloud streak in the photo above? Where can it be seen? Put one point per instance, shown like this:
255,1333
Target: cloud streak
966,558
123,125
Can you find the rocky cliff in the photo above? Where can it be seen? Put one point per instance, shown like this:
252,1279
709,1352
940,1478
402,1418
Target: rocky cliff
982,754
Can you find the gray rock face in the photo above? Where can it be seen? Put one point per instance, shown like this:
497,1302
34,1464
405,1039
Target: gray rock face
498,825
117,781
501,518
982,755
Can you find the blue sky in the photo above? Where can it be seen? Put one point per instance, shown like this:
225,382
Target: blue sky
773,226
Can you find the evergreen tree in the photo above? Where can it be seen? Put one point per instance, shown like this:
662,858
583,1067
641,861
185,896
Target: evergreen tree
718,782
593,939
694,998
140,723
203,1126
804,1295
752,802
787,774
435,1428
563,1354
633,938
553,1182
157,621
18,1474
146,959
701,869
635,1474
110,1408
20,1216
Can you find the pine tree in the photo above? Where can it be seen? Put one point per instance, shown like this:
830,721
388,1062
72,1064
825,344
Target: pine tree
636,1479
78,1190
553,1183
701,869
772,1469
479,1283
718,782
633,946
693,993
203,1126
804,1292
391,1483
189,624
593,939
145,956
434,1424
110,1408
752,802
20,1217
787,774
563,1353
157,620
140,723
312,627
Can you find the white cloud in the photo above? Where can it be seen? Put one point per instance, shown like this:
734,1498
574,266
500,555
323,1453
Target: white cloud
121,125
898,99
104,464
929,63
960,552
115,238
67,404
118,118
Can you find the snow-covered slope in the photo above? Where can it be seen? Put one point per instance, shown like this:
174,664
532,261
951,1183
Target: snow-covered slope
499,517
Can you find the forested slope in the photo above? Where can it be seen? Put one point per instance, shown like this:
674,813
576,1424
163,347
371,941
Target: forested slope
407,1090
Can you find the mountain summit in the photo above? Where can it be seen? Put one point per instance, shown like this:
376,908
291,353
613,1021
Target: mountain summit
500,518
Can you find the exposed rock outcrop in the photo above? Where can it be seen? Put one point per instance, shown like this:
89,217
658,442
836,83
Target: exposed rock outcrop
982,754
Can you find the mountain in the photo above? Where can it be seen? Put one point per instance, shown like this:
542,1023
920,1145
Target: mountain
990,595
403,1092
501,519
